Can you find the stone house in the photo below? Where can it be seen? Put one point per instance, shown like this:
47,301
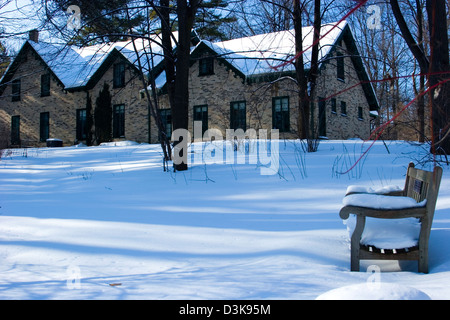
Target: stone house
46,91
236,84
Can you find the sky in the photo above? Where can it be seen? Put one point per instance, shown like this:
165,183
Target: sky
18,17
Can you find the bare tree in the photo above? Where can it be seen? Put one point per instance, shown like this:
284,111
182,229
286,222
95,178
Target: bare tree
177,68
436,66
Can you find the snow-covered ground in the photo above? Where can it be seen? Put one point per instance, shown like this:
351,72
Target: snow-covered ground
107,223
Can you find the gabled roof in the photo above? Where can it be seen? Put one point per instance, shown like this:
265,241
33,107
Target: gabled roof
261,54
79,68
263,57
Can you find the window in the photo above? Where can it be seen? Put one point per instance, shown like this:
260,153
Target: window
166,119
238,115
81,124
206,66
45,85
333,105
280,114
340,66
16,90
15,130
201,114
360,113
119,75
322,118
343,108
119,121
44,127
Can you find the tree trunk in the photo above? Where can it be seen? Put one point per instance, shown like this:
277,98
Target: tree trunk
437,67
180,109
303,101
169,59
177,68
439,75
307,80
421,98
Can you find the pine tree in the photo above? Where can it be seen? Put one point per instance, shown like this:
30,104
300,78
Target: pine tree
103,116
89,121
209,20
102,20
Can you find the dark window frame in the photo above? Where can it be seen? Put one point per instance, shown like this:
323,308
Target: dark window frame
238,115
166,119
119,121
322,117
206,66
45,85
15,130
119,75
340,66
16,88
281,118
44,126
360,113
201,115
333,106
343,108
81,124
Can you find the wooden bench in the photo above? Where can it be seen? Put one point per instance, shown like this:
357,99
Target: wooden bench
420,185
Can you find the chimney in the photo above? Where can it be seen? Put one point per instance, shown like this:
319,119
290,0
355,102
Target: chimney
34,35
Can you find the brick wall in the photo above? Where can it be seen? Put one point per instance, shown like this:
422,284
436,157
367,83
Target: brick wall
62,106
136,128
59,104
216,91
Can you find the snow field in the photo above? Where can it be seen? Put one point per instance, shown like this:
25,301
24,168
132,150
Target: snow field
75,220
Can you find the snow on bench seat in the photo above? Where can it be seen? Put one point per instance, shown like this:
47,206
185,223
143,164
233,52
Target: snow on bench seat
385,233
381,202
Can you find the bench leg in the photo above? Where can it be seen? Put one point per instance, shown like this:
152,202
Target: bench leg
423,261
354,264
423,246
423,267
355,242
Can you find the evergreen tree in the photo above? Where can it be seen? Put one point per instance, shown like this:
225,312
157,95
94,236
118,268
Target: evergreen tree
102,20
210,19
89,121
103,116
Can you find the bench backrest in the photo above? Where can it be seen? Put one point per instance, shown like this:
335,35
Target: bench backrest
423,185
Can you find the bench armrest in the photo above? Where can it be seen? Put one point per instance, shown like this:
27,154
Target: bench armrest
416,212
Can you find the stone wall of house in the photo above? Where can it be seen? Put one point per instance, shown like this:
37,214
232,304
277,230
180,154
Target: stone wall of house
136,113
217,91
60,105
223,87
352,123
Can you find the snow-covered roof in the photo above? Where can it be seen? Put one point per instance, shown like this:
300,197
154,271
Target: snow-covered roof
265,53
75,66
250,56
71,68
254,55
